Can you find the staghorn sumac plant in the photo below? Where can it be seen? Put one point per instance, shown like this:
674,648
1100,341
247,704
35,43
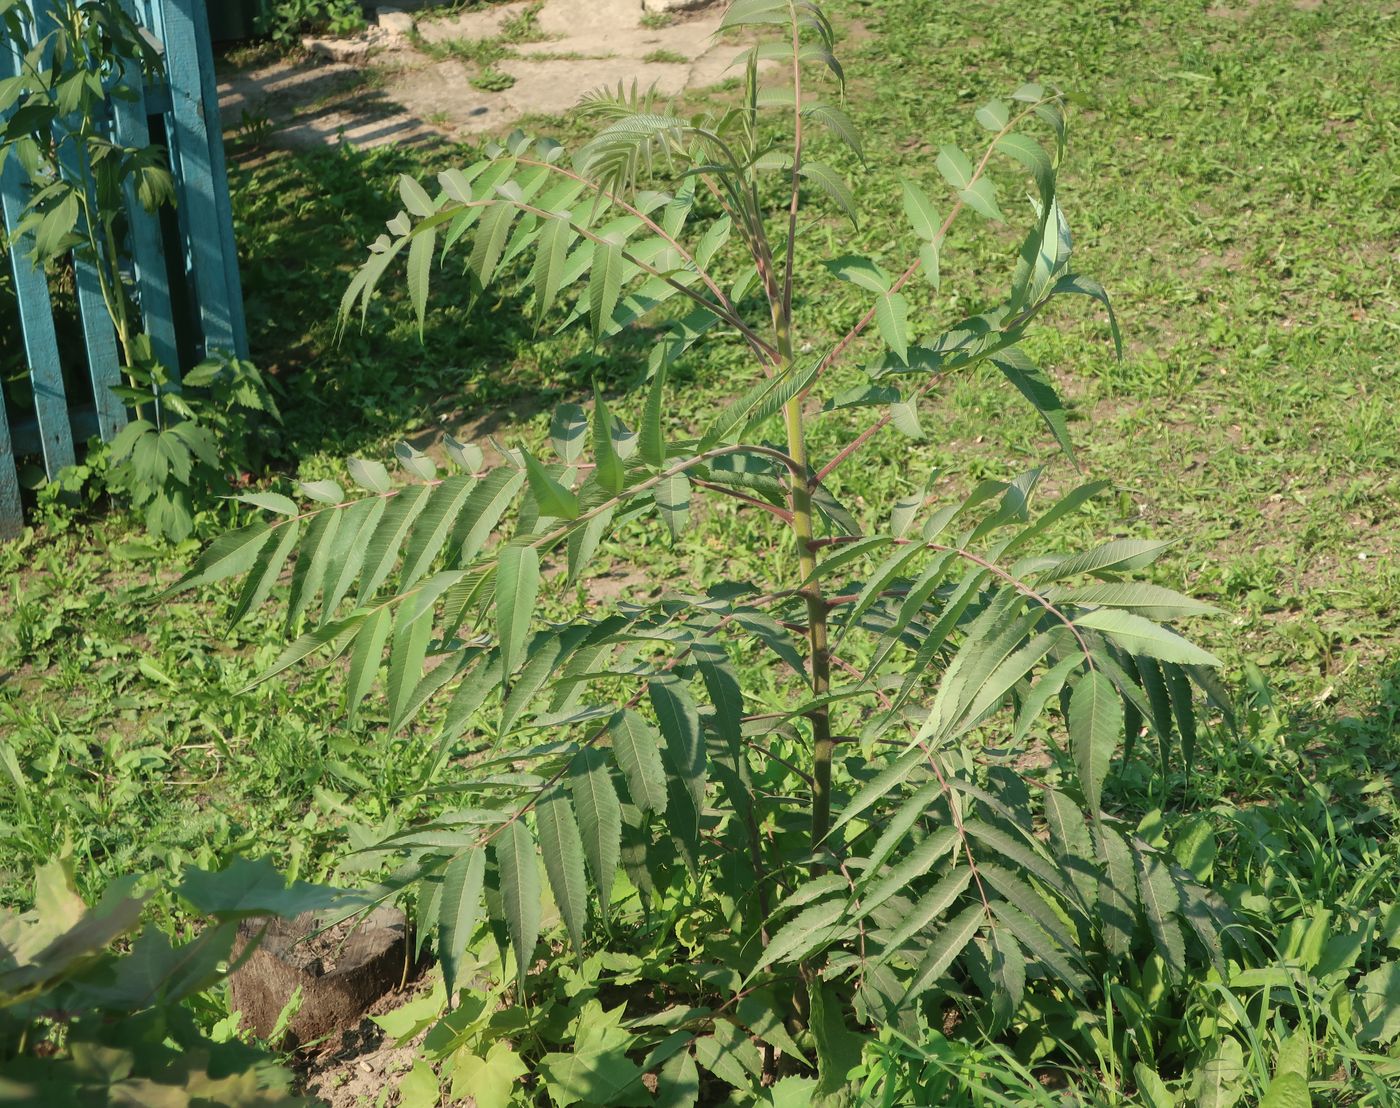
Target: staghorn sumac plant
799,796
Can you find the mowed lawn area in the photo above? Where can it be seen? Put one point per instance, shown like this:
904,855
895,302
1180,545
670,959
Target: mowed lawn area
1233,179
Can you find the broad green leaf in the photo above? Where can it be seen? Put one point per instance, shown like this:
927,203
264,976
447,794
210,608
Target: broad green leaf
491,1081
1287,1090
555,239
1161,906
383,546
1219,1082
483,510
812,928
568,432
562,848
1141,636
413,629
599,820
922,215
1378,995
492,230
553,498
892,318
913,863
637,747
230,555
680,725
415,199
420,264
1152,1088
1042,935
672,495
929,256
955,166
981,197
247,888
831,183
369,475
838,1047
1151,601
267,567
1117,899
928,908
609,471
678,1083
517,585
271,502
860,271
762,1014
946,946
1118,556
651,444
1034,158
604,284
1087,286
1095,723
365,658
520,892
432,526
1034,384
994,115
459,911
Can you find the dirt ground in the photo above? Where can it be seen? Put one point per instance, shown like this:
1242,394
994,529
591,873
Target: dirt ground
408,79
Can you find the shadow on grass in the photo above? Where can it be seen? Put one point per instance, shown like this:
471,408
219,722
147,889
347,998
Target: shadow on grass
303,223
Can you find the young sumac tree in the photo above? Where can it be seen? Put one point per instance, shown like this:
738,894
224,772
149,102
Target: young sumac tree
852,835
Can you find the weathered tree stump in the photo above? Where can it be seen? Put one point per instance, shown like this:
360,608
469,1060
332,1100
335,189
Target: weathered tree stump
341,972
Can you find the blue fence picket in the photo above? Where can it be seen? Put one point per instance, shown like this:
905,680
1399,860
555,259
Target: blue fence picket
223,203
11,514
130,128
99,337
36,317
190,147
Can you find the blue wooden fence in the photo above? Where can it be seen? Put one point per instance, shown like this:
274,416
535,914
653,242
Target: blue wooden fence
185,107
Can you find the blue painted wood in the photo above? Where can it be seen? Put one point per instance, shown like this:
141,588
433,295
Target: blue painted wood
99,336
130,128
190,148
11,515
228,246
36,316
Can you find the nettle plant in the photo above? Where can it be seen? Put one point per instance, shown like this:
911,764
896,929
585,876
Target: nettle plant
798,799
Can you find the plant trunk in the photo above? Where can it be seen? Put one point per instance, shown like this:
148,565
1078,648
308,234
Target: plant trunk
820,660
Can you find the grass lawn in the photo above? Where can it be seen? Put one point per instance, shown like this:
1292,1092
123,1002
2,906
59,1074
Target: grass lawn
1234,181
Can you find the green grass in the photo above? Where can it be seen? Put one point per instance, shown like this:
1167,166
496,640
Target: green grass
1232,182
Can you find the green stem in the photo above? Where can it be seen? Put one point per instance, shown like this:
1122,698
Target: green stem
803,533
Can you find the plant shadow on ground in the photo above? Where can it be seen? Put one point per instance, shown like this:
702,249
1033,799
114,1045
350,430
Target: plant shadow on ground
478,362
